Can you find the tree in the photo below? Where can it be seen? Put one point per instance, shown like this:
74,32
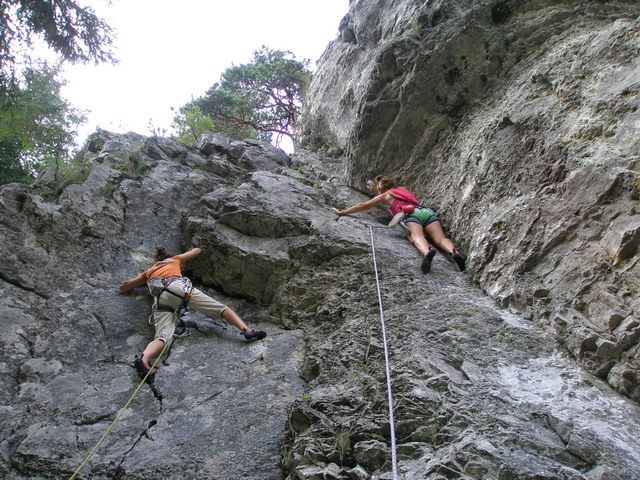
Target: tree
37,127
259,99
36,123
10,169
190,123
73,32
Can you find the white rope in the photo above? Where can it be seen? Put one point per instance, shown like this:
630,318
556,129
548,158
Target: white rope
394,467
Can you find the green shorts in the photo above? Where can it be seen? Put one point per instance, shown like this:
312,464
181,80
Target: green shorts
423,216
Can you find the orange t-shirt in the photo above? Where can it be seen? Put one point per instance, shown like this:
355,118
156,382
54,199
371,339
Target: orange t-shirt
169,267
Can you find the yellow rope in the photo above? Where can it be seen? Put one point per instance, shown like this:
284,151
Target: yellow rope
119,415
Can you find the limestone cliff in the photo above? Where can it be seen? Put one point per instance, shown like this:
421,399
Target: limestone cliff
518,122
515,120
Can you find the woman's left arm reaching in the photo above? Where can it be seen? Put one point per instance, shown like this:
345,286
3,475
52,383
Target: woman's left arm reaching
377,200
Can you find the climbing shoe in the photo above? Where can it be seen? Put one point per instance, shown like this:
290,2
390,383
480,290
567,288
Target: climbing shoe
254,334
459,259
142,368
426,261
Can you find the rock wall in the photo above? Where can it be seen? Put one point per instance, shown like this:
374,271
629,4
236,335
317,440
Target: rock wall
518,123
69,337
478,392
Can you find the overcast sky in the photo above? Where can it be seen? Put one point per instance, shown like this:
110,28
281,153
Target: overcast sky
170,52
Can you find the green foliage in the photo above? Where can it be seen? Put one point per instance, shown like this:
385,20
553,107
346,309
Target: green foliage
10,170
308,183
133,168
73,32
358,379
73,170
305,397
37,126
260,99
190,123
129,160
432,431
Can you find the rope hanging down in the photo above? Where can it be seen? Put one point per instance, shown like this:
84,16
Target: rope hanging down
392,428
104,435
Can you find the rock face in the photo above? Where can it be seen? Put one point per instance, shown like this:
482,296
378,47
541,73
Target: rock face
478,392
68,336
518,123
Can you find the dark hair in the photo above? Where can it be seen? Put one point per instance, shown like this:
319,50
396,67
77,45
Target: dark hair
161,254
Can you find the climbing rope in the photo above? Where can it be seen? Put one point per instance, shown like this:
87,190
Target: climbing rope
115,420
392,427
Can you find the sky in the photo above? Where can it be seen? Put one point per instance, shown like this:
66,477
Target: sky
172,51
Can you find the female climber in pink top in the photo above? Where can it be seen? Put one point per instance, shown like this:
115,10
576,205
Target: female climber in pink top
419,220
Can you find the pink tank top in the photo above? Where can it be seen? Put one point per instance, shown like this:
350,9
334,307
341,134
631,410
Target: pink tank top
402,197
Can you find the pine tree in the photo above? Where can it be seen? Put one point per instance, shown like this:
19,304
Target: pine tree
261,99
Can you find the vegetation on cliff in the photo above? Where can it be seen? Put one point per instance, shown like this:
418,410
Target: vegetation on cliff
37,125
260,99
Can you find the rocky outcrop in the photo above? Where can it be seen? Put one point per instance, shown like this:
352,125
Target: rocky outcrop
68,336
478,392
517,122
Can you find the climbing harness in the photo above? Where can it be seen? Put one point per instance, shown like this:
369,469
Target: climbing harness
392,428
406,210
158,286
178,287
115,420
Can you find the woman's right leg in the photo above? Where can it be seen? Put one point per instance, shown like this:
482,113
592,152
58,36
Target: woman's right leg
203,303
437,236
234,319
417,237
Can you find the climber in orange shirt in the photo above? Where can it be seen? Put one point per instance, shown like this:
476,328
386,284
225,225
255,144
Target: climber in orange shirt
173,292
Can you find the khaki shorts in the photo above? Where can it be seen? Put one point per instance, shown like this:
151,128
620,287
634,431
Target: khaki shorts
166,322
